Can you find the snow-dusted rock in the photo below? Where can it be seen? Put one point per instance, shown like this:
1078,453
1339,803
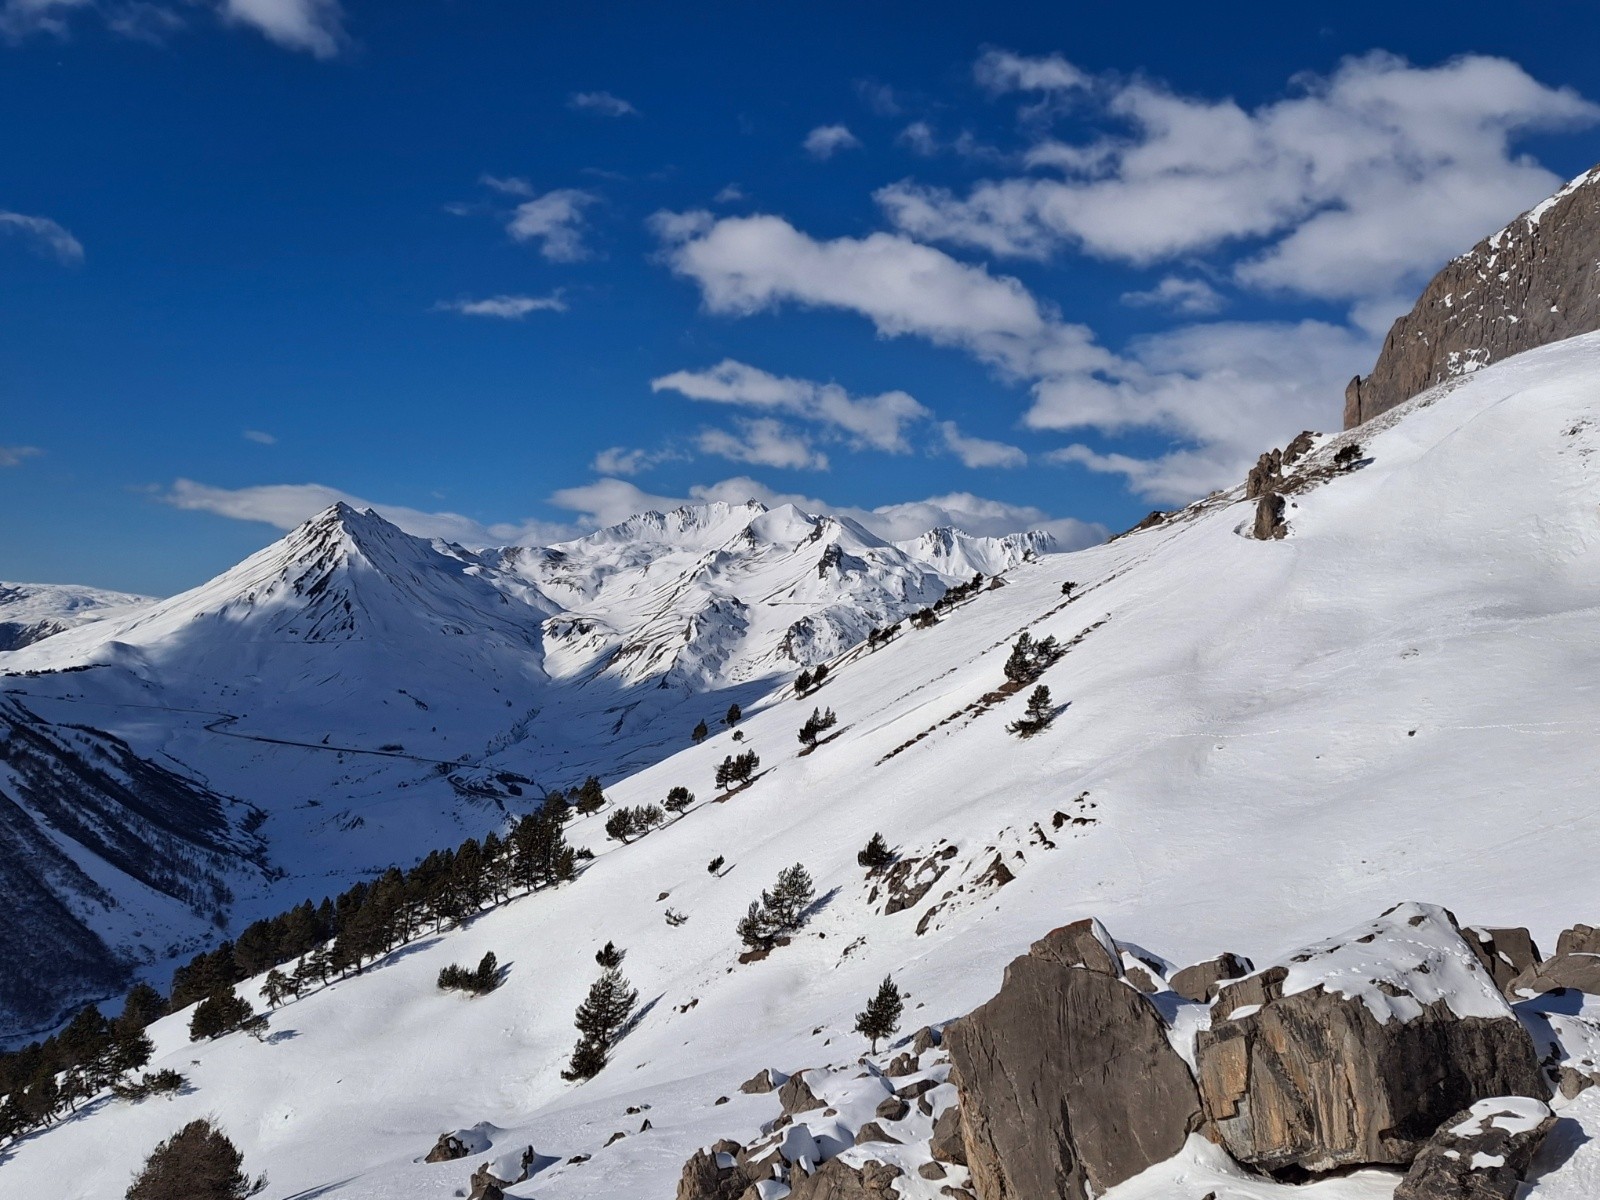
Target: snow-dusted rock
1356,1048
1068,1085
1505,953
1481,1153
1197,982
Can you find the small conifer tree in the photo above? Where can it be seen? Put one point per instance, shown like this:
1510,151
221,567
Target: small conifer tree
590,796
678,799
700,733
882,1015
219,1013
1039,714
196,1163
734,713
876,854
609,957
600,1019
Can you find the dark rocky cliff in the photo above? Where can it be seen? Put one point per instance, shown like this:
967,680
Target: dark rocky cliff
1536,281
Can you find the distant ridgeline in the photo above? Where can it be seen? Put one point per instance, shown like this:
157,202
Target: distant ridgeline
1536,281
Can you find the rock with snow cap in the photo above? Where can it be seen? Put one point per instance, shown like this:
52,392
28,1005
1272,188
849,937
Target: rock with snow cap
1199,981
838,1180
1481,1153
1505,953
1354,1050
1067,1082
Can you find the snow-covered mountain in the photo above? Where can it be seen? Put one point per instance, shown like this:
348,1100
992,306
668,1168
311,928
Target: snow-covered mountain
30,612
370,695
1256,744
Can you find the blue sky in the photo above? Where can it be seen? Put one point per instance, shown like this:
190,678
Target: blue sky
507,271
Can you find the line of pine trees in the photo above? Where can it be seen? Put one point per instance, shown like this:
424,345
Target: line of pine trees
333,939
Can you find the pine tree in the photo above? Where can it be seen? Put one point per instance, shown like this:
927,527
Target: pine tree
275,988
700,733
609,957
756,928
196,1163
816,724
734,713
790,898
678,799
819,675
590,796
600,1019
803,683
142,1006
1040,713
620,825
1019,666
882,1016
876,854
219,1013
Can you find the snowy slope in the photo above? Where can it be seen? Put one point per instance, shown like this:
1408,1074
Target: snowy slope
1264,743
375,695
30,612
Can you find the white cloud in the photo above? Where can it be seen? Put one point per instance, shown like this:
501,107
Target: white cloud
315,26
510,185
506,307
876,421
259,437
624,460
555,221
1000,71
23,18
979,452
880,98
763,442
15,456
745,265
284,506
608,501
44,235
919,137
730,194
1372,174
1192,297
603,103
825,141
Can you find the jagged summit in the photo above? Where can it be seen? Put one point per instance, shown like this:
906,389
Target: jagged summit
1534,282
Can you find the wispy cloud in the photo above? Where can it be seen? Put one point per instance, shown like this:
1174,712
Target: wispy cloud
1192,297
825,141
976,452
554,222
44,236
763,442
602,103
999,71
314,26
505,307
260,437
15,456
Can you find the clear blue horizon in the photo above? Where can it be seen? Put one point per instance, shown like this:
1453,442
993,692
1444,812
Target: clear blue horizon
506,274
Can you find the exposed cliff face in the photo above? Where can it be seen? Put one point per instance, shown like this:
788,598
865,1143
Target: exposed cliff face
1536,281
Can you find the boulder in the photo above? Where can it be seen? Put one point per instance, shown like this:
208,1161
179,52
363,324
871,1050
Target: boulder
796,1096
903,1064
1355,1050
892,1108
1067,1083
836,1180
485,1186
1575,964
1269,522
873,1132
925,1039
1481,1153
947,1143
931,1170
724,1172
762,1082
458,1143
1196,982
1505,953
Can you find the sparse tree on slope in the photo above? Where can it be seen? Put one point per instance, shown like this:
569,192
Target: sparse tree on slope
1040,712
196,1163
876,854
600,1019
882,1016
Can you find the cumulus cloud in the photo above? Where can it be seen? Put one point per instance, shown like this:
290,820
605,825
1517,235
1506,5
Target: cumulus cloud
554,221
625,460
1192,297
875,421
284,506
314,26
259,437
15,456
505,307
825,141
763,442
44,236
608,501
1376,172
602,103
979,452
999,71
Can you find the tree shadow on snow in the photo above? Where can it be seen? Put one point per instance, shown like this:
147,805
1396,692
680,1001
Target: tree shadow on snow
635,1020
322,1190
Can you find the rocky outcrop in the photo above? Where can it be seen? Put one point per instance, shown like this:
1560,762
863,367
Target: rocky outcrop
1197,982
837,1180
948,1143
1067,1082
762,1082
1479,1154
1575,964
458,1143
1533,283
1269,523
725,1172
796,1095
1357,1048
1504,953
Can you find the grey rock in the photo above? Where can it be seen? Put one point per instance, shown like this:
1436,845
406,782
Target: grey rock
1580,939
485,1186
925,1039
762,1082
903,1064
947,1143
1197,982
1315,1080
911,1091
1505,953
892,1108
1067,1083
931,1170
1581,972
448,1148
873,1132
1481,1153
1269,523
1530,284
835,1180
796,1096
